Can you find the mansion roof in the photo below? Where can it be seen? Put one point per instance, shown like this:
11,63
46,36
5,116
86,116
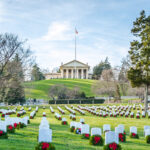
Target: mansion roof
74,63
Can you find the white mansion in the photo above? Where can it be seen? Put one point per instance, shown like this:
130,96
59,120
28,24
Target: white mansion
72,69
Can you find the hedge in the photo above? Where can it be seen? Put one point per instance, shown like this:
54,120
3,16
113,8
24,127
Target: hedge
83,101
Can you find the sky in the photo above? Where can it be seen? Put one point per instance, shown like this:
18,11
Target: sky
104,28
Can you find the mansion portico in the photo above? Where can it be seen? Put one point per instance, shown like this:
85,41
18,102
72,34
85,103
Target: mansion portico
74,69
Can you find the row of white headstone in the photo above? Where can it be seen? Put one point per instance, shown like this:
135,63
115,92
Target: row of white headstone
33,113
61,110
45,133
72,116
122,110
70,110
79,110
21,112
30,108
57,115
85,129
11,121
4,111
51,109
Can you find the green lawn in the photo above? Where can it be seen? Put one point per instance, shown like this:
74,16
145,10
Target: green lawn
39,89
63,139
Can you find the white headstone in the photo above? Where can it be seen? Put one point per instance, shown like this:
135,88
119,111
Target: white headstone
119,130
111,137
96,131
145,128
121,126
106,127
81,120
64,119
78,125
72,124
3,126
45,135
85,129
147,132
133,129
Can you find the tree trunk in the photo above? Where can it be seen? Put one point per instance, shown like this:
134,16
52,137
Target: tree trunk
146,98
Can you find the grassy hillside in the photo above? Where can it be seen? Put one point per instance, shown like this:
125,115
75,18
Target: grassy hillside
39,89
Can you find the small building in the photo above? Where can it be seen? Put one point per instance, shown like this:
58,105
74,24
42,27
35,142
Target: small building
52,76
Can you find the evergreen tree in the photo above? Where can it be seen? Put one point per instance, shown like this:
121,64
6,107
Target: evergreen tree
14,93
36,74
98,69
13,90
139,72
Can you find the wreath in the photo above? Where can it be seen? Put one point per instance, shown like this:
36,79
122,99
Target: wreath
44,146
85,136
96,140
3,135
122,137
148,139
134,135
64,122
10,129
72,129
112,146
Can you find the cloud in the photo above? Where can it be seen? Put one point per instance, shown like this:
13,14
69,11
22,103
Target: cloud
58,31
49,26
51,53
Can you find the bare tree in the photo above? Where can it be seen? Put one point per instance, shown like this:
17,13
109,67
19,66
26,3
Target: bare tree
10,45
14,57
108,85
105,86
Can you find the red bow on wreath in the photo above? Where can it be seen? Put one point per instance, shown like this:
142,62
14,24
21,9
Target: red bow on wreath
15,125
133,134
1,133
113,146
97,139
10,127
87,135
45,146
121,137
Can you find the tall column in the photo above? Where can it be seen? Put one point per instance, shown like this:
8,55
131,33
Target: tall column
77,74
81,73
87,74
67,73
62,73
72,73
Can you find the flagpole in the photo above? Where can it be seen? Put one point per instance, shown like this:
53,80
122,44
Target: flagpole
75,53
